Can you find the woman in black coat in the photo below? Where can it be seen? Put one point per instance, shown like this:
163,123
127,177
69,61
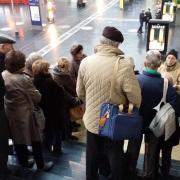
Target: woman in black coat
62,76
53,102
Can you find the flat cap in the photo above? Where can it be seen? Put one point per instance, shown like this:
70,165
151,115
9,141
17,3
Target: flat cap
6,39
113,34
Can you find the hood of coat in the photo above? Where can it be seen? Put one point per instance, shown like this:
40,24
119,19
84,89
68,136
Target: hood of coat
172,68
58,72
107,50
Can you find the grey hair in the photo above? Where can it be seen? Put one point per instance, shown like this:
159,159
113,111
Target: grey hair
34,56
107,41
153,59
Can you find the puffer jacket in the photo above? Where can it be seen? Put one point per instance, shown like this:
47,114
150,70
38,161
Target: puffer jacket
173,72
94,81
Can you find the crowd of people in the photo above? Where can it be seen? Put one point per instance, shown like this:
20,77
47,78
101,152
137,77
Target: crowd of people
29,83
28,86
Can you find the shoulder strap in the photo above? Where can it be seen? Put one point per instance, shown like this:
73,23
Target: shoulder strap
115,69
163,100
165,88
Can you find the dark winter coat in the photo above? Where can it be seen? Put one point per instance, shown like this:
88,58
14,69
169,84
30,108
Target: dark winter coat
142,17
64,79
148,15
2,92
55,101
75,68
2,62
152,91
4,132
52,100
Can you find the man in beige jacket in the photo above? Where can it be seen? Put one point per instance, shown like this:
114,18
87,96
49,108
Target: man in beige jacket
93,87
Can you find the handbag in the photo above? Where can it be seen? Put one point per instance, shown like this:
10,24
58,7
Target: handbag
117,122
77,113
164,122
39,117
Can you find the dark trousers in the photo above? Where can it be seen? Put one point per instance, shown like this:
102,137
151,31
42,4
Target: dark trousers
151,156
52,138
141,26
3,143
103,156
153,146
133,151
166,159
146,23
22,154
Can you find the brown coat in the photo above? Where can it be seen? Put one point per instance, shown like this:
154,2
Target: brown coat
20,93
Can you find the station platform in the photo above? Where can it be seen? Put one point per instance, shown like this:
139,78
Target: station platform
84,26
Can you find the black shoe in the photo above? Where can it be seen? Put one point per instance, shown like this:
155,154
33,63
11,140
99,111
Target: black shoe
31,163
74,138
75,129
75,124
57,150
144,178
47,166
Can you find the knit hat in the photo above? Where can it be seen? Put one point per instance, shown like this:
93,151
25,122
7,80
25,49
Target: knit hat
113,34
6,39
173,52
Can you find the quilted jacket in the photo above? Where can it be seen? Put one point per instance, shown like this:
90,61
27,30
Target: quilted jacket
94,81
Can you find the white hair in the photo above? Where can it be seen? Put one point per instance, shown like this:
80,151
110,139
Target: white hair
34,56
110,42
153,59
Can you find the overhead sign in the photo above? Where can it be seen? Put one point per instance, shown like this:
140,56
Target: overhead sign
35,13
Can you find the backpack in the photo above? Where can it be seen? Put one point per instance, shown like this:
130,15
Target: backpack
164,122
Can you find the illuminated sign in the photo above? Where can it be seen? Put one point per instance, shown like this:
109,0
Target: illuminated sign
35,13
157,37
169,11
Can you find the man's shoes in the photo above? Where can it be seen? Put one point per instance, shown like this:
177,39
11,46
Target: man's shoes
81,4
74,138
31,163
144,178
74,129
47,166
75,124
57,150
